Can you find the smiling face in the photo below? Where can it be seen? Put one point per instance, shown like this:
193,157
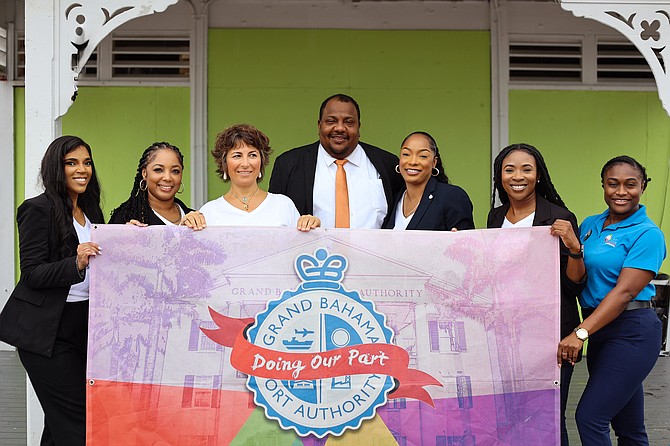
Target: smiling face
339,129
244,165
416,160
163,175
519,176
78,168
622,186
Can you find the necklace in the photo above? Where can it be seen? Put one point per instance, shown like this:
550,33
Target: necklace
174,222
407,200
244,199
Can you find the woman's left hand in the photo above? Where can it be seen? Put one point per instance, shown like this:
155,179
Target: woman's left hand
563,229
194,220
308,222
568,349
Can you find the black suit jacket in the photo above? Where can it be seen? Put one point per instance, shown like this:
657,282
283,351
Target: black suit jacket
152,218
32,314
442,207
545,214
293,174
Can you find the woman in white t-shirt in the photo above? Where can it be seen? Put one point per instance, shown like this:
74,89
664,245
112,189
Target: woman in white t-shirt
241,153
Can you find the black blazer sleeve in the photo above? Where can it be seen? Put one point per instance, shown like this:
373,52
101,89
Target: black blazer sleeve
38,269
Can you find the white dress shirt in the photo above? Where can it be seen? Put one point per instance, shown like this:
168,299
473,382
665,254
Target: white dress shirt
367,202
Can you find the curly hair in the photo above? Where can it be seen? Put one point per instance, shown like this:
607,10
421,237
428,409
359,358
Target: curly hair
624,159
432,144
233,137
52,175
545,188
137,207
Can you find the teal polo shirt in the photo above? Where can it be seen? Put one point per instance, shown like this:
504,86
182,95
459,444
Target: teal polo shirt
635,242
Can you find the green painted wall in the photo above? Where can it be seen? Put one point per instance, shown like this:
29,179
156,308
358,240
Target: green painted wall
578,131
118,123
437,81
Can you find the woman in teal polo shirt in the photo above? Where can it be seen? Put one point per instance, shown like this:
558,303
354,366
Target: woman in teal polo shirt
623,251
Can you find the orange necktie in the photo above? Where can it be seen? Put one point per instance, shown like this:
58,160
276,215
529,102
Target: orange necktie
341,196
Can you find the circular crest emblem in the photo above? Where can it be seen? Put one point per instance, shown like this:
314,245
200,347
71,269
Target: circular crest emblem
316,328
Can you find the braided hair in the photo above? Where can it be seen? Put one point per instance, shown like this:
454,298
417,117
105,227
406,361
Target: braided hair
544,188
623,159
441,177
52,175
137,207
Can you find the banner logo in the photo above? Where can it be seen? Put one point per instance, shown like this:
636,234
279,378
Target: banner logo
320,359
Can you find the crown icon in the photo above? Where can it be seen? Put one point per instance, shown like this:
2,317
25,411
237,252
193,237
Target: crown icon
321,270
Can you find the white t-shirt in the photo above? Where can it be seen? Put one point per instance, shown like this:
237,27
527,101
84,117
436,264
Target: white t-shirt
367,201
79,291
526,222
275,210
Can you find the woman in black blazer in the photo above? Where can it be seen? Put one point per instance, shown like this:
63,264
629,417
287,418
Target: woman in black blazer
528,197
152,199
46,316
428,201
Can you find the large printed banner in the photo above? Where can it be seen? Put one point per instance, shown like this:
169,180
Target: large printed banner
270,336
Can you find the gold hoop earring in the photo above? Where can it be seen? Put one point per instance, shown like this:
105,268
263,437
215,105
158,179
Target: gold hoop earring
181,188
435,172
397,168
145,185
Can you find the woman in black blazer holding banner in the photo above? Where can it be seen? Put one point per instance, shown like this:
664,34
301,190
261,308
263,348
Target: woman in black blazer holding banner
46,316
528,197
152,198
428,201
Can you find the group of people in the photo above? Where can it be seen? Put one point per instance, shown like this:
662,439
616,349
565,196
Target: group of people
606,264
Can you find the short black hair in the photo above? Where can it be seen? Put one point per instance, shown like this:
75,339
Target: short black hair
625,159
342,98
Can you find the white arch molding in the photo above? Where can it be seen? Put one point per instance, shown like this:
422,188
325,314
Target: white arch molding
60,37
646,23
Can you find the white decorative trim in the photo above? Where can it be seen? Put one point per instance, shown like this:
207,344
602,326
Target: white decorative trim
646,23
84,24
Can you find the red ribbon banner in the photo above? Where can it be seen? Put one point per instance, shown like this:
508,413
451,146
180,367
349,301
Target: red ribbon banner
384,359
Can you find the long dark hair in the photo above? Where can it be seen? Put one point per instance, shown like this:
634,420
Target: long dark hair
52,175
544,188
137,207
441,177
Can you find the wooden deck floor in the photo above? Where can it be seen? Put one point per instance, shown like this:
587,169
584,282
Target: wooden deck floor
657,389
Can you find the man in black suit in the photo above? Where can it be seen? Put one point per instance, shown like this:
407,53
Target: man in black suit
307,174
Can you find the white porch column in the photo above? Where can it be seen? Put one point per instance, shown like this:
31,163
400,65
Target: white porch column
646,23
198,67
7,200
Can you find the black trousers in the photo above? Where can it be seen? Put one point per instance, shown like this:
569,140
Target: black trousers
60,381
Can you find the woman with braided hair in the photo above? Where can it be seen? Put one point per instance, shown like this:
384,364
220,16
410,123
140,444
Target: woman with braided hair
528,197
152,199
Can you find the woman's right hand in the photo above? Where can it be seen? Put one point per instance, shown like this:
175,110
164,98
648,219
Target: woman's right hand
194,220
137,223
84,252
563,229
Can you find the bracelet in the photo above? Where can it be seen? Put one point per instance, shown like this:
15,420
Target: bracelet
579,255
80,272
